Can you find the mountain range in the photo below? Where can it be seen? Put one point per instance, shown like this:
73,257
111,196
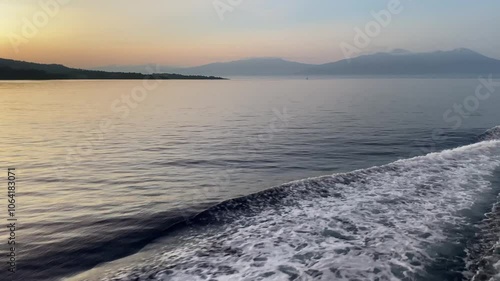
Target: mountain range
454,63
399,62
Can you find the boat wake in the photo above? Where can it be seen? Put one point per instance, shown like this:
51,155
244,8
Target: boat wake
408,220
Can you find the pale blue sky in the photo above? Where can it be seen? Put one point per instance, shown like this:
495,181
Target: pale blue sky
190,32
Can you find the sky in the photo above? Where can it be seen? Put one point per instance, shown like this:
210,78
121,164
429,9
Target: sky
91,33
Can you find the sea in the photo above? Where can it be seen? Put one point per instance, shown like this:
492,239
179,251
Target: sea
277,178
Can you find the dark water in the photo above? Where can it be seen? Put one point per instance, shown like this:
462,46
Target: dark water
103,178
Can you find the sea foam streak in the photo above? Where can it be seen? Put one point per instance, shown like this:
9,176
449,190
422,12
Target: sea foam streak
484,253
379,223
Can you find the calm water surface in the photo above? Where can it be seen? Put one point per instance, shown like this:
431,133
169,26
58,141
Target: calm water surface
102,175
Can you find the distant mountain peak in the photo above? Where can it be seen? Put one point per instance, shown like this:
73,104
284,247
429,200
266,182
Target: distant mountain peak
455,51
400,51
463,50
263,59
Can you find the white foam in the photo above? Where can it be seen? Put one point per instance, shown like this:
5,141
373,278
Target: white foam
484,254
379,225
491,134
497,268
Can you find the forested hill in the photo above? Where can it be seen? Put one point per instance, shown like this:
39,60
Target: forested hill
20,70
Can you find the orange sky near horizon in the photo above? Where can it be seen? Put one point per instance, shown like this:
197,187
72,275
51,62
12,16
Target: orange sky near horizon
71,36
